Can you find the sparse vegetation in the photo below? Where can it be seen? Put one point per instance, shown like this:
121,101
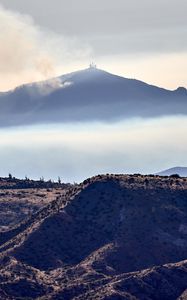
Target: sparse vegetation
84,244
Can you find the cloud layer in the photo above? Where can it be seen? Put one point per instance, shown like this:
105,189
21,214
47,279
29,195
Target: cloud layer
75,152
148,25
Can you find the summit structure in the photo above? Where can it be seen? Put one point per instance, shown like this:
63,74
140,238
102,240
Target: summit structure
92,65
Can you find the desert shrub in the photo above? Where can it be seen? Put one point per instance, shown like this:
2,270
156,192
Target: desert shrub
131,180
175,176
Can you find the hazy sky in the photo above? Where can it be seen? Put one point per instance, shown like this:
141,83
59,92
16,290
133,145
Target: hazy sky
78,151
139,39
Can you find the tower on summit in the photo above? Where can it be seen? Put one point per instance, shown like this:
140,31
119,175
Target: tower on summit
92,65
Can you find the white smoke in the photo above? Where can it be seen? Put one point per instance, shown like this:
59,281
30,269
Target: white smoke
50,85
29,53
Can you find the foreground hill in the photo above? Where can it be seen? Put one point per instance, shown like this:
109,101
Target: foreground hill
87,243
166,282
87,95
19,281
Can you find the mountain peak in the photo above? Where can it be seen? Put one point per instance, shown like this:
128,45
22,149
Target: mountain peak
92,66
181,90
91,94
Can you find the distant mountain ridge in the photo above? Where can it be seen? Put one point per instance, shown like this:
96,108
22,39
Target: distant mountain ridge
181,171
88,95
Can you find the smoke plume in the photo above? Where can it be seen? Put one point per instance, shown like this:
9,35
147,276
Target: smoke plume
29,53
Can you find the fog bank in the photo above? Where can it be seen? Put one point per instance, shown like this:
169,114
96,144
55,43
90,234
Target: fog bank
75,152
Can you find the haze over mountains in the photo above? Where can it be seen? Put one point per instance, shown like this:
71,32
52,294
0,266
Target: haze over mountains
181,171
88,95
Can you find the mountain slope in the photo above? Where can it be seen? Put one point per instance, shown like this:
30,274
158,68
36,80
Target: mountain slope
20,198
168,282
181,171
87,242
87,95
143,218
19,281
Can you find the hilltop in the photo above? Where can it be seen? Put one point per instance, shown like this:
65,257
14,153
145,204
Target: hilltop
11,182
89,241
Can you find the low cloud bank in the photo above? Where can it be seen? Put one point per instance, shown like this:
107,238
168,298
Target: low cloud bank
76,152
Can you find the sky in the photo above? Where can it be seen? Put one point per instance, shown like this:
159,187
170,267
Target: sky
145,39
136,39
78,151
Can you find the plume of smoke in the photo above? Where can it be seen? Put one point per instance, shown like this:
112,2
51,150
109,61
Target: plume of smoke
48,86
29,53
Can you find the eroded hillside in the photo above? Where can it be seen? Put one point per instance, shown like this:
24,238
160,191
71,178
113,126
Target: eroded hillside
21,198
88,242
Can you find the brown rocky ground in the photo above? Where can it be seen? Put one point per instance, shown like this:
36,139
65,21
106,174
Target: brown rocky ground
18,204
94,240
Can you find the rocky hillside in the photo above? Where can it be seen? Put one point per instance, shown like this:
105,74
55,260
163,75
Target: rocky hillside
166,282
94,241
19,204
20,198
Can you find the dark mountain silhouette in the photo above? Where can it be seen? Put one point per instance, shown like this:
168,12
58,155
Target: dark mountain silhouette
95,240
87,95
181,171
